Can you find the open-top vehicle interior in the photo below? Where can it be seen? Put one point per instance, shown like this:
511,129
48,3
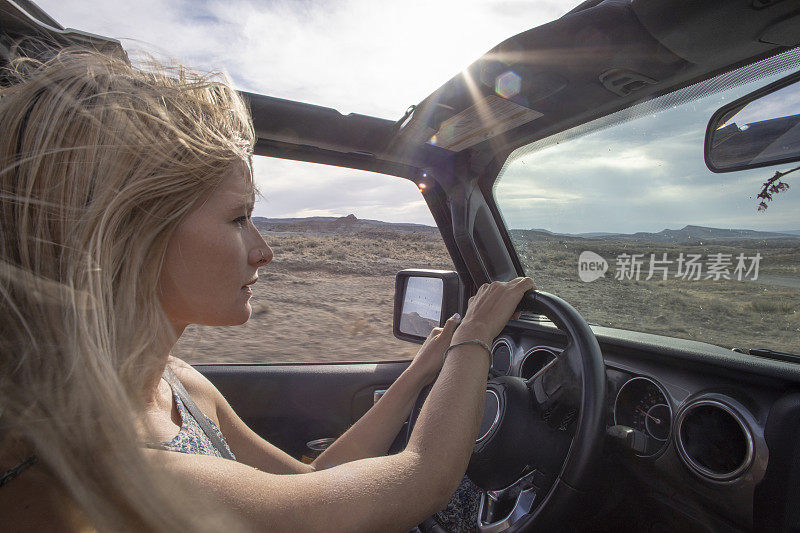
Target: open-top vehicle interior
615,402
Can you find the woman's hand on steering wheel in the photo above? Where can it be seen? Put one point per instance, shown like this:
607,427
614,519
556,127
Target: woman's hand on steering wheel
491,308
487,313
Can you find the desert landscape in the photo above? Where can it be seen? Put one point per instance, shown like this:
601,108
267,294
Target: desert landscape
328,294
760,313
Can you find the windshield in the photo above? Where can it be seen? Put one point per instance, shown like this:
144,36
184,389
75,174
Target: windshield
628,225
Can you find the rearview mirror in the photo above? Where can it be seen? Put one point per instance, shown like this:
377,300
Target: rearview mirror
423,300
757,130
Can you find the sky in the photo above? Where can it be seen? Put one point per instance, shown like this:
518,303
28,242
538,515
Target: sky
379,57
363,56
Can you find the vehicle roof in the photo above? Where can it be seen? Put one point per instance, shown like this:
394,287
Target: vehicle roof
23,19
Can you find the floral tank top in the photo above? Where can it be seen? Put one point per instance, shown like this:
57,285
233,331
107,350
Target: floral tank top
191,438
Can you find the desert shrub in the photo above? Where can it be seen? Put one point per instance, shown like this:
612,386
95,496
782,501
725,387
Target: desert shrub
719,307
772,306
358,326
675,300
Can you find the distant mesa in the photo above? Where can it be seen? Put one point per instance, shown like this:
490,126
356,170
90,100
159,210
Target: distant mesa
689,233
349,224
347,221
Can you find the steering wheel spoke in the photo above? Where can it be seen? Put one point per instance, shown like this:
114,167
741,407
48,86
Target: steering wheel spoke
556,392
494,516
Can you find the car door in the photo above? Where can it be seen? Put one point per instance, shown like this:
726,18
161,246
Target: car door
292,405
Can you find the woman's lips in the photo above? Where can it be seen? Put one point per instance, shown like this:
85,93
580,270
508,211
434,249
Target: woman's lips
247,286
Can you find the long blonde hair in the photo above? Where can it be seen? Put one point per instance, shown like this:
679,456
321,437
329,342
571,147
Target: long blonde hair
99,162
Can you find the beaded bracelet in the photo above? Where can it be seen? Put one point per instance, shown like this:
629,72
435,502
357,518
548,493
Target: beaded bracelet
473,341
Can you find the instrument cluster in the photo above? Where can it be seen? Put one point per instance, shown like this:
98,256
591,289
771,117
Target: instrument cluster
643,405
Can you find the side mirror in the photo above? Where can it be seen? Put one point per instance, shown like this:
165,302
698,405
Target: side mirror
423,300
757,130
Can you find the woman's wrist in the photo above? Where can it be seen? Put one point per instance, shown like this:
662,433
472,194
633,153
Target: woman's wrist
467,331
417,376
484,346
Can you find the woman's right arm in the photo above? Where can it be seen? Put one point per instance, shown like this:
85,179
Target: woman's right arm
380,493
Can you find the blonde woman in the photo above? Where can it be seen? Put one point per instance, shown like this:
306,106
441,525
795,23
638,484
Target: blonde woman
125,202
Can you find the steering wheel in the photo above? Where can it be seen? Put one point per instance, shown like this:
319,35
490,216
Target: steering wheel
541,438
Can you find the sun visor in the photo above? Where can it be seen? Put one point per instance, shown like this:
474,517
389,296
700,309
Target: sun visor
710,32
538,77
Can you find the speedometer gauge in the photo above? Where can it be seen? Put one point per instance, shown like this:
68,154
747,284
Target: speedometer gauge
642,404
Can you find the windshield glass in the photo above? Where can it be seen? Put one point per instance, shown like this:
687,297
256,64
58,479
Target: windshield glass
628,224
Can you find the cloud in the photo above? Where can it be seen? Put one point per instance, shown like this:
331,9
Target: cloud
782,103
362,56
298,189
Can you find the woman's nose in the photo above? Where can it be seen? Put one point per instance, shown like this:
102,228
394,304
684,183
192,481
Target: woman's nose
260,255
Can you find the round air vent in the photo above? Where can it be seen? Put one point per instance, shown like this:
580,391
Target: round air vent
713,440
534,361
501,358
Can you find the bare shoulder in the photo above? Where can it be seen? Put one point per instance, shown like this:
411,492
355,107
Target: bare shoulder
202,391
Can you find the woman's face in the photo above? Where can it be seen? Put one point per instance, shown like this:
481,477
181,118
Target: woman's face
213,259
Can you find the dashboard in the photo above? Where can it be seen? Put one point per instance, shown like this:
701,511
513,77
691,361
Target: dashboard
701,450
